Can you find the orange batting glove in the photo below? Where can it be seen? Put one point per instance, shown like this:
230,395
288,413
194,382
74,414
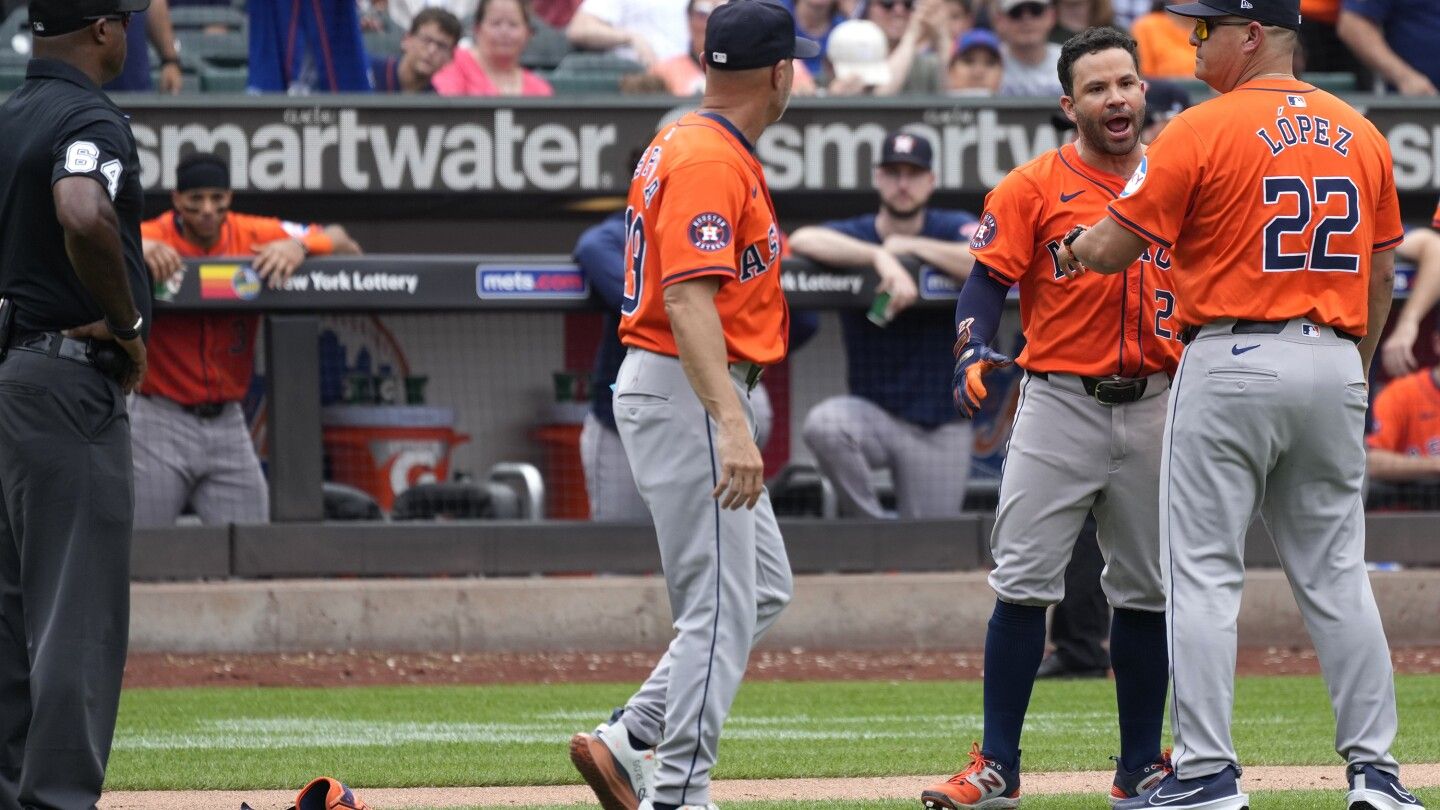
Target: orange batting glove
973,360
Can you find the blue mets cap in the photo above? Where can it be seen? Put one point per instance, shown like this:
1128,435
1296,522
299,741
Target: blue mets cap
1284,13
748,34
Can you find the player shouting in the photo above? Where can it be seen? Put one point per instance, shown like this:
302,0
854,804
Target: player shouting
1087,436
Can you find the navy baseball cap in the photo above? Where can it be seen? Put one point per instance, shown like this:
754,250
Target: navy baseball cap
748,34
1164,99
51,18
1284,13
906,147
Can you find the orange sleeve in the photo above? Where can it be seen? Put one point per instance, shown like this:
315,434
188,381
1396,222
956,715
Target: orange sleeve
1389,420
1389,230
152,230
697,221
1005,238
1154,202
1435,220
269,229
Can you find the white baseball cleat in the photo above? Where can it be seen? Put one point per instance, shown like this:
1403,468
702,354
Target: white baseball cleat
646,805
621,776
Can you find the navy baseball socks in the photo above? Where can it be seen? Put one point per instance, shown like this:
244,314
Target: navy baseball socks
1014,645
1139,655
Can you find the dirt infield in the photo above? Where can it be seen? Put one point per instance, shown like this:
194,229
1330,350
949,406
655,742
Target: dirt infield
374,669
809,790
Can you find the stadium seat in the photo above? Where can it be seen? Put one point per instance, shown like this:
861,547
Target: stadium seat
459,500
343,502
196,18
546,49
1332,82
214,79
383,43
583,72
218,50
800,490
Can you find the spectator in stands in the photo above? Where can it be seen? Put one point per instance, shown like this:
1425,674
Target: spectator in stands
404,12
491,65
303,48
556,13
1397,39
1029,56
976,69
1405,442
1422,248
1074,16
1324,52
191,444
153,23
1163,101
815,19
643,31
428,46
857,54
898,414
1163,42
918,33
959,18
1128,11
684,76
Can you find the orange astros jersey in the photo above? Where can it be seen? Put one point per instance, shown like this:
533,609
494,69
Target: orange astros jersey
1272,198
1407,416
699,206
1092,325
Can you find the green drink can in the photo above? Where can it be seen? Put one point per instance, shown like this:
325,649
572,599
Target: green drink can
877,314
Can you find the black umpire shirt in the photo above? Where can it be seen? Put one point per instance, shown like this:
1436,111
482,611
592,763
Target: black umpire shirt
59,124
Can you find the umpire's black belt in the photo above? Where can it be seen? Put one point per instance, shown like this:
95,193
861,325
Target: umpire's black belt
1243,326
84,351
1105,390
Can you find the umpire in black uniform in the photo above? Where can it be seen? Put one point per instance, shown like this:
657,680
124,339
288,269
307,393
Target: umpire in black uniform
76,299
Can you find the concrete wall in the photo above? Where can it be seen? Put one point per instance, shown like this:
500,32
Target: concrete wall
865,611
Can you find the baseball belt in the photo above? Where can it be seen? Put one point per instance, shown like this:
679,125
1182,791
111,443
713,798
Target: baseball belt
104,356
1105,390
747,374
1244,326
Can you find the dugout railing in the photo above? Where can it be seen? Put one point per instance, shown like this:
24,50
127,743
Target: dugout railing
299,542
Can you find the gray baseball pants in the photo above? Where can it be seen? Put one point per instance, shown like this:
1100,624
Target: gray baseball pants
1069,456
65,526
1274,423
608,480
210,464
726,572
850,436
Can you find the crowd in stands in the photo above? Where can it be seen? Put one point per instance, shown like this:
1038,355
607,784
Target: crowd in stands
547,47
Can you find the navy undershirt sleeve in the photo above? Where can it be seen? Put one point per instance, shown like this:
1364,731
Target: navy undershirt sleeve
982,298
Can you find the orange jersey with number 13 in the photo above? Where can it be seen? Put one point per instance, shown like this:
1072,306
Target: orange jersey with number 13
699,206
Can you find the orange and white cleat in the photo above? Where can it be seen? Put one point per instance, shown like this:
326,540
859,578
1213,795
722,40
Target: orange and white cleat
984,785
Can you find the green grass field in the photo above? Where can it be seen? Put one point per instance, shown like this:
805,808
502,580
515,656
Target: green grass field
217,738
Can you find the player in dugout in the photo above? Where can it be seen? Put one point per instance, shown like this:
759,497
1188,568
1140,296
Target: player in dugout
192,445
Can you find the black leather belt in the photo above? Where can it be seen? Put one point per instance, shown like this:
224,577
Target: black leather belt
1109,390
204,410
104,356
1248,327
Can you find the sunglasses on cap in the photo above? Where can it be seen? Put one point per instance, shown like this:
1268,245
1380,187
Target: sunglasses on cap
1203,26
1026,10
889,5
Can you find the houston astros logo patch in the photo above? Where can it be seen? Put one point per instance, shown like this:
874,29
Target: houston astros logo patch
985,233
709,232
1137,179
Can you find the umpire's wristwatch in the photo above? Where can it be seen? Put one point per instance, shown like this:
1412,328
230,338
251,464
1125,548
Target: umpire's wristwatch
122,333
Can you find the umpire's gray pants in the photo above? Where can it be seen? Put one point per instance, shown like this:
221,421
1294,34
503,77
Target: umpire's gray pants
210,464
1274,423
850,436
64,578
726,572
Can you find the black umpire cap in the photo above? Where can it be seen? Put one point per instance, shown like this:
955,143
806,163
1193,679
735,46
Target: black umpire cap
1284,13
51,18
748,34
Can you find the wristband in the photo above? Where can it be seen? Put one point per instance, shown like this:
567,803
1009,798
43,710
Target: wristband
126,334
170,60
1074,234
